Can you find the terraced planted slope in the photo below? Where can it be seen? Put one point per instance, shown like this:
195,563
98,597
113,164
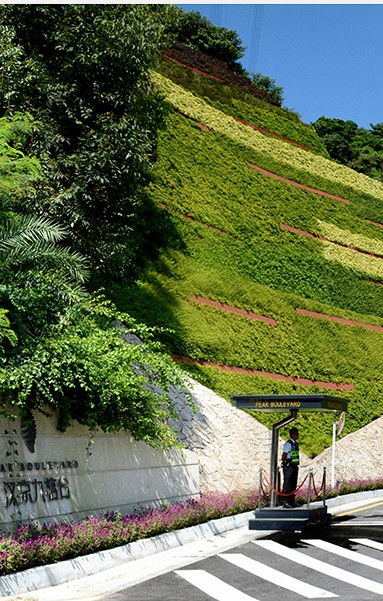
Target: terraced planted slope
275,288
238,103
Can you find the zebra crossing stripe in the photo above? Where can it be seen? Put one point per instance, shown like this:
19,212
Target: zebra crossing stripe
368,543
275,577
321,566
213,586
347,553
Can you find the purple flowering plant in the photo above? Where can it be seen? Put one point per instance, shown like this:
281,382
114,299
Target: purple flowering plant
35,544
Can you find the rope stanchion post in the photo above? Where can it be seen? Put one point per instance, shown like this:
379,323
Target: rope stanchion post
260,487
280,494
324,486
309,488
316,492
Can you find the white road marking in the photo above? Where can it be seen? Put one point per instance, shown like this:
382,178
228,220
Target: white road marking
213,586
356,523
279,578
368,543
321,566
347,553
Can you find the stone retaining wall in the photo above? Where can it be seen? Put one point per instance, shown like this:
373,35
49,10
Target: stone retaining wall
358,456
232,447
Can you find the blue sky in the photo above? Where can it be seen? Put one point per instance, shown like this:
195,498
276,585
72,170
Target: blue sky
327,57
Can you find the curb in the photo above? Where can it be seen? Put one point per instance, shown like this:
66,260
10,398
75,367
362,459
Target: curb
87,565
351,498
63,572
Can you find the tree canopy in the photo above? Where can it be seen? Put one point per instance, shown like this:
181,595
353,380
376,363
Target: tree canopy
263,82
37,273
357,147
60,347
82,71
194,30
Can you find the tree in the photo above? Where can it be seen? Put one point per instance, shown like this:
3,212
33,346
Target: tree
377,130
37,274
357,147
337,136
27,241
17,171
87,372
59,347
83,73
194,30
263,82
370,163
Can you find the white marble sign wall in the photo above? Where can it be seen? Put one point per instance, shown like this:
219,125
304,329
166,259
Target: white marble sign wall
50,475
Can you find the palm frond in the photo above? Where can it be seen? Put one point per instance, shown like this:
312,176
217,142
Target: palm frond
49,258
34,241
29,230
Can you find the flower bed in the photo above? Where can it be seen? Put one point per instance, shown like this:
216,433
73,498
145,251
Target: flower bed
39,544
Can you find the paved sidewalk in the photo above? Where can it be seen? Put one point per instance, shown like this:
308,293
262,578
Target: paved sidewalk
94,577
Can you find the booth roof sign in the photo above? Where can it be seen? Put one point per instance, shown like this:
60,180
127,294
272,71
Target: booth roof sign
290,402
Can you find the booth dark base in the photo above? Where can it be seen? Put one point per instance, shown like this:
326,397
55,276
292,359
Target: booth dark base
296,519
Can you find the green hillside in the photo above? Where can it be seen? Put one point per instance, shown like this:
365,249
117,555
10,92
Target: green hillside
273,288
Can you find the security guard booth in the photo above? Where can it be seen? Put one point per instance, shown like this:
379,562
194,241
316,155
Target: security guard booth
291,403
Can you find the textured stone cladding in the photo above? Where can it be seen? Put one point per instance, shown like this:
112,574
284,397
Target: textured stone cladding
358,456
232,447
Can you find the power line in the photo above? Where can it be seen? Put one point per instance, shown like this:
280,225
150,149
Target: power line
216,14
255,36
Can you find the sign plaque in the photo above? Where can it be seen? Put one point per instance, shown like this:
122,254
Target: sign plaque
290,402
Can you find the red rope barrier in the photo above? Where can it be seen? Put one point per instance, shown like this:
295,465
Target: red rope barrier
317,493
314,487
282,494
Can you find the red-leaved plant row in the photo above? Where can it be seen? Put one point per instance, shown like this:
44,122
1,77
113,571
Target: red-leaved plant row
272,322
270,133
266,374
296,230
214,68
291,182
37,544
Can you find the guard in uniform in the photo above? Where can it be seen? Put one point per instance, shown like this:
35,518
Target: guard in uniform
290,465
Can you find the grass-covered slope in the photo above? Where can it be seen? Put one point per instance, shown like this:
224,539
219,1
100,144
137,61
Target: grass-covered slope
306,268
238,103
